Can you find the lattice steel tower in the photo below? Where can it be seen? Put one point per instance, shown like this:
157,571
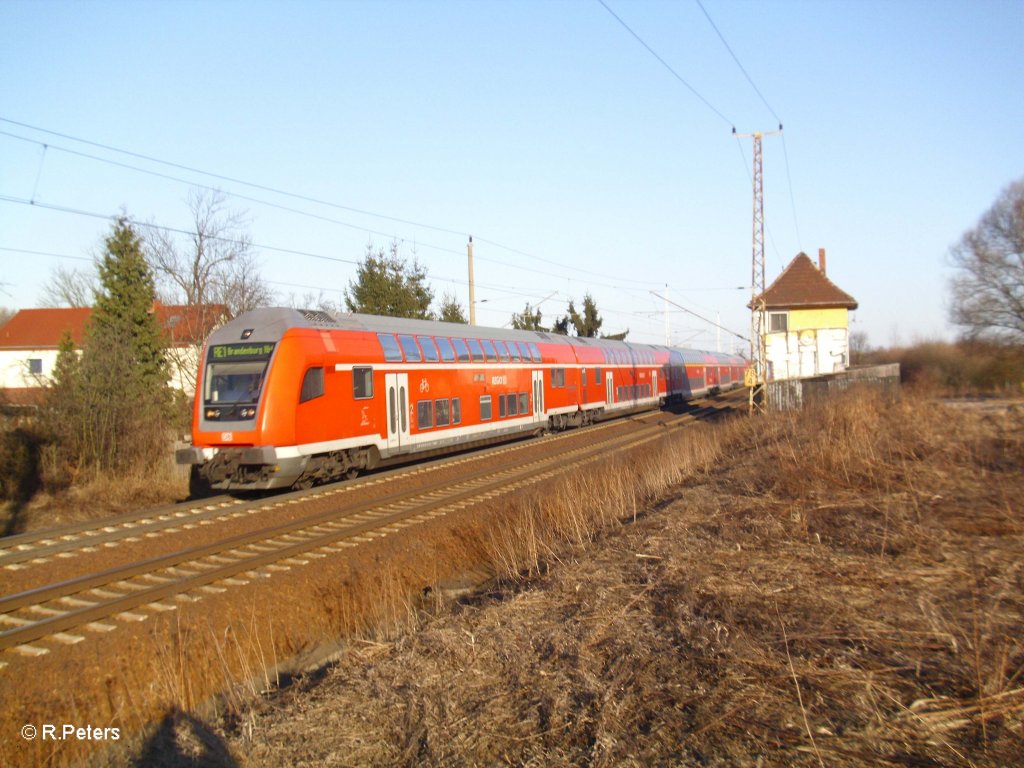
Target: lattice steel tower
758,322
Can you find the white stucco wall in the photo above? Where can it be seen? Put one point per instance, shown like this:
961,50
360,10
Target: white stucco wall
14,368
809,352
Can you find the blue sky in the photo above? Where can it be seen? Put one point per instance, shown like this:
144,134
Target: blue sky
544,129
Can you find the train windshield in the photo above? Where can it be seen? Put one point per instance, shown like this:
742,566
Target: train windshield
234,382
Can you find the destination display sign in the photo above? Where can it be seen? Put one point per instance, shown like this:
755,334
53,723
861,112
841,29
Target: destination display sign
242,352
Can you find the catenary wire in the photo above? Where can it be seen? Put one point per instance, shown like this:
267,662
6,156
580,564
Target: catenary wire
785,151
285,193
665,64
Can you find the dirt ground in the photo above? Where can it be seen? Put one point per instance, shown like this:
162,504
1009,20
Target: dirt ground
848,591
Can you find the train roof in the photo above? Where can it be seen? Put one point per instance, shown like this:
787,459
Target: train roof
273,322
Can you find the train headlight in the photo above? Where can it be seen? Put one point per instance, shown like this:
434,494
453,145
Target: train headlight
213,414
247,413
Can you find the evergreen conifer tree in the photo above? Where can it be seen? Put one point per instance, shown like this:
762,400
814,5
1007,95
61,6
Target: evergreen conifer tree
124,403
388,285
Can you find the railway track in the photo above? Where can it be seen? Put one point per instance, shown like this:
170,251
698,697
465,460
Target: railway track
32,621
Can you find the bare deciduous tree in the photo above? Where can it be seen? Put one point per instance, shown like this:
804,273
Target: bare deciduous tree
69,288
212,270
988,290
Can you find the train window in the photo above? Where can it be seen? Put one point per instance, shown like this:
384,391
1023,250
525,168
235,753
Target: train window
502,412
412,352
503,354
513,402
492,355
312,385
425,414
477,350
392,352
557,377
513,350
362,383
392,410
429,349
441,413
524,350
447,352
583,377
524,403
535,352
485,407
461,350
597,375
456,411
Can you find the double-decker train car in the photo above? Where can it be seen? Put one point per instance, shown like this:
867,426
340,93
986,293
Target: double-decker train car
290,397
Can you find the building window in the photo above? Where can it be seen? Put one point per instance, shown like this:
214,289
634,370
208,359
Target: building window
35,366
778,322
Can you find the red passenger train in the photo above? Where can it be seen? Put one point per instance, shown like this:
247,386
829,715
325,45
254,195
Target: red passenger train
290,397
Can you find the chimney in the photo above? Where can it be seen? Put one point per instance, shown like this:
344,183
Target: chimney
821,260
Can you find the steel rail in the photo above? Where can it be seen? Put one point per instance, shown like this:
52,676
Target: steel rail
464,493
40,545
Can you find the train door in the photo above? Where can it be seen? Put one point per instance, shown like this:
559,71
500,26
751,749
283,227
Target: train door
397,385
654,384
538,395
609,388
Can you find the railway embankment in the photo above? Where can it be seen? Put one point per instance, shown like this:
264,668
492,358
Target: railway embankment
843,588
125,645
839,587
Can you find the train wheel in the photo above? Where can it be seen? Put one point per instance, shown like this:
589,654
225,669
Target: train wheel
198,486
352,474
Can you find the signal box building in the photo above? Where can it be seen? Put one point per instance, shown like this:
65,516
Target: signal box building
807,322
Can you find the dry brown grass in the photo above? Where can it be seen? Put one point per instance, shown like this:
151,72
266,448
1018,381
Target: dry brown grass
847,592
95,496
842,589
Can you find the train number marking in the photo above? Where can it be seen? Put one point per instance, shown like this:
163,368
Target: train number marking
227,437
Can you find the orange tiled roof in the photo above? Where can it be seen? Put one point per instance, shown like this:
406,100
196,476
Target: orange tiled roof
44,328
803,286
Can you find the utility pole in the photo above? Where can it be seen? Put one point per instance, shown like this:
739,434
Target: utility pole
668,327
758,322
472,288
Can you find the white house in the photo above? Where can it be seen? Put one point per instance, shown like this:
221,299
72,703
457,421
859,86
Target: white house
29,342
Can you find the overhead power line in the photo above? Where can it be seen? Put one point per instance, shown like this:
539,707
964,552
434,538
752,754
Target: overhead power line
785,152
295,196
665,64
176,230
738,64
